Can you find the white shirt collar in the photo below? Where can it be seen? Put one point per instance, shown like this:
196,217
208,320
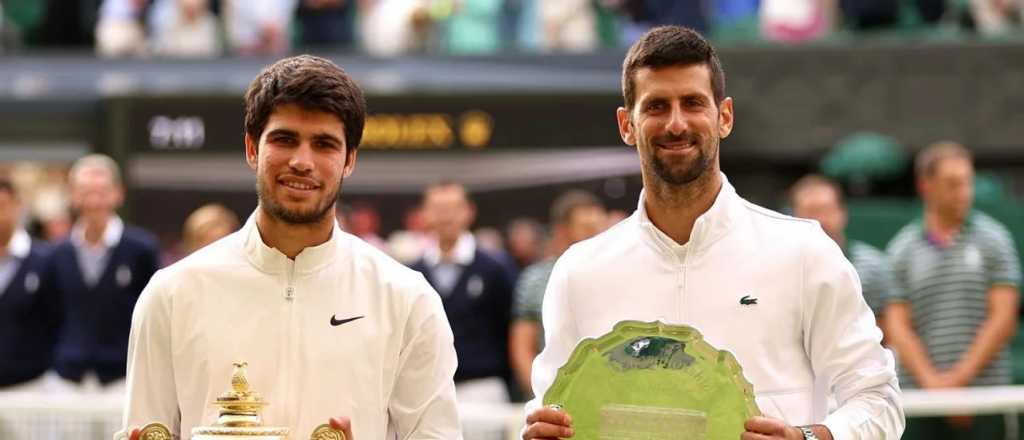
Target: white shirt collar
709,226
271,260
463,253
111,234
20,244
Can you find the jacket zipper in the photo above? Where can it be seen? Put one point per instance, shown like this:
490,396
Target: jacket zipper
289,296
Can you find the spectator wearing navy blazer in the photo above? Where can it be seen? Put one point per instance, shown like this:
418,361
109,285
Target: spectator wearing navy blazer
94,278
476,291
27,333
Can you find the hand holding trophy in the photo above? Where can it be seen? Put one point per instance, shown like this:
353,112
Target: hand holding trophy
240,419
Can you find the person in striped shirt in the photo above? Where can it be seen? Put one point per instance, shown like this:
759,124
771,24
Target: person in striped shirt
818,198
954,310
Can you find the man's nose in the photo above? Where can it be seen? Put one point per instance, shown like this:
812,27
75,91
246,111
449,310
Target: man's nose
302,158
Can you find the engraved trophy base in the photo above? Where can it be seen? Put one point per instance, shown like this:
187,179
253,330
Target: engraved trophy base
239,433
634,422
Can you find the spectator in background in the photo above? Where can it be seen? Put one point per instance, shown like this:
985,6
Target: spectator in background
818,198
575,216
796,21
525,241
206,225
642,15
407,245
476,291
27,332
474,27
119,30
364,222
395,27
327,23
996,17
184,28
258,27
954,309
567,25
94,278
880,14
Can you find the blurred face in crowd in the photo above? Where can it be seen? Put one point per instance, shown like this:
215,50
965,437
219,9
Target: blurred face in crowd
447,211
949,189
585,222
675,123
300,160
10,212
95,194
821,203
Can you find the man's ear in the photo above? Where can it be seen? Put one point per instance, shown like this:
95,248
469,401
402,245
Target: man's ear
726,117
350,162
622,116
251,153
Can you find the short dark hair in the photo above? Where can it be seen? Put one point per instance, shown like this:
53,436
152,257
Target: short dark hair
811,181
567,203
310,82
666,46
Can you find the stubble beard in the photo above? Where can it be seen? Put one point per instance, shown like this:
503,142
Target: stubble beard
682,174
295,216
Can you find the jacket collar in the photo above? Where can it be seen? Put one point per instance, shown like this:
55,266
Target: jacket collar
111,234
271,260
465,250
20,244
709,227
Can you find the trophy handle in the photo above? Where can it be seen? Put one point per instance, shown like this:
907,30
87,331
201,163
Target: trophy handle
326,432
155,431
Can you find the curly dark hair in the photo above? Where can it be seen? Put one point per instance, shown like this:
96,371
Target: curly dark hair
310,82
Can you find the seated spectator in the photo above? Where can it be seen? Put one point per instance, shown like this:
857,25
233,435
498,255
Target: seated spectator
996,17
184,28
327,22
567,25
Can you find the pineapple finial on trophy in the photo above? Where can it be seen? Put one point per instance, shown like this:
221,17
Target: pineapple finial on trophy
238,381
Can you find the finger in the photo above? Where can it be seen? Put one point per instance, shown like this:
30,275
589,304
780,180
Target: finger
343,424
134,434
755,436
765,425
541,430
549,415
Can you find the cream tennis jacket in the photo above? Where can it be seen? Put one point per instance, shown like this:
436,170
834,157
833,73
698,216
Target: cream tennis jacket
809,320
343,330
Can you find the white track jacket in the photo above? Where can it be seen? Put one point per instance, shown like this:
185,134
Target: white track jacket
807,321
343,330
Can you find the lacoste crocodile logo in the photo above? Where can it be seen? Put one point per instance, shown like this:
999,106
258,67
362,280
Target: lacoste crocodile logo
747,300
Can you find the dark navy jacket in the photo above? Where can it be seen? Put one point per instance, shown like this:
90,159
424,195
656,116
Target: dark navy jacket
27,330
96,321
479,309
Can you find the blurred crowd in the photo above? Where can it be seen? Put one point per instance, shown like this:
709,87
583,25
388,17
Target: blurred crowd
211,28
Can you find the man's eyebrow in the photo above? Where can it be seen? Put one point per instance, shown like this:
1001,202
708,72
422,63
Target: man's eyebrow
282,132
327,137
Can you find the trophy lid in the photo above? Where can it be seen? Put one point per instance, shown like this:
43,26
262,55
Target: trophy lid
240,405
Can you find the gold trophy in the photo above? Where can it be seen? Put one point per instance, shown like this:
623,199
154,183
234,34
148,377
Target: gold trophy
239,418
